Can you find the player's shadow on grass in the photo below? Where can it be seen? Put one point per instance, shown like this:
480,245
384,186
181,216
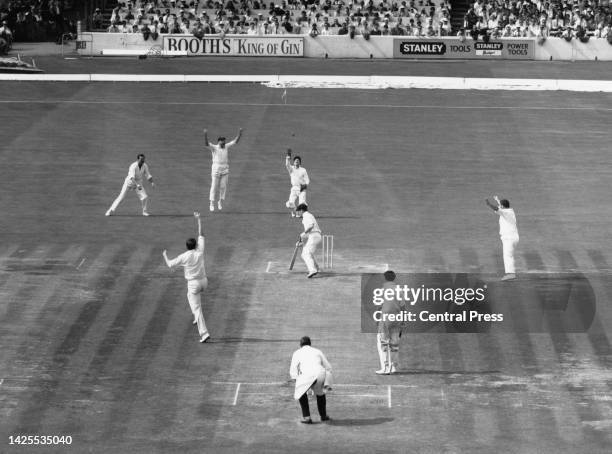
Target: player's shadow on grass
337,217
445,372
329,274
153,216
283,213
236,340
359,421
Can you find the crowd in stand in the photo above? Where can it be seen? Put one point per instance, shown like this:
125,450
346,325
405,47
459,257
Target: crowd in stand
36,20
580,19
252,17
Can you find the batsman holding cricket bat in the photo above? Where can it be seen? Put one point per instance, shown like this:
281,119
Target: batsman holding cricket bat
298,244
311,237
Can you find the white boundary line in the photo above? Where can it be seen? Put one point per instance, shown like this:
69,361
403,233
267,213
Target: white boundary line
389,394
268,267
367,106
80,264
236,395
339,81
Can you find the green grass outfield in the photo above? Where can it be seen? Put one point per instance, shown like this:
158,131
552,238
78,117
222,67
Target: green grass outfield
96,334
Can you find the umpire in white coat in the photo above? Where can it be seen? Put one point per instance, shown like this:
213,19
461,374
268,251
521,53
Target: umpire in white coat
310,370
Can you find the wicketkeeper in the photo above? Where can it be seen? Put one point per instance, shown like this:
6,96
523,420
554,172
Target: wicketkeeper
136,173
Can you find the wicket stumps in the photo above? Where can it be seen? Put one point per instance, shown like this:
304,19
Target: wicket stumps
327,253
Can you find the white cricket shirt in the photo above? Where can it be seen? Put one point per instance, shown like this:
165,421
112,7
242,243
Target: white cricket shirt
192,261
299,176
219,155
309,220
137,173
507,223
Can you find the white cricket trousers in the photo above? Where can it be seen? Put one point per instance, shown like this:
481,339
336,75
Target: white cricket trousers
218,184
309,250
387,344
140,193
294,195
509,246
195,287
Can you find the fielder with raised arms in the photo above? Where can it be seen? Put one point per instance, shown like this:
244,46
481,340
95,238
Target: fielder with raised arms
508,233
192,261
220,167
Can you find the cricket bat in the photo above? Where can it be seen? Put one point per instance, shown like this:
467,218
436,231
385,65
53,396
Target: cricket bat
295,251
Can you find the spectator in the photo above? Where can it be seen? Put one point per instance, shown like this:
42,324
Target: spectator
114,28
364,29
223,28
198,29
376,31
542,34
397,29
6,38
208,27
97,19
314,31
445,27
557,25
470,19
252,29
326,31
288,28
176,29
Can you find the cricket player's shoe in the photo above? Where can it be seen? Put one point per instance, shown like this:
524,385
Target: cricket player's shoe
393,369
109,212
325,418
220,205
212,206
293,214
312,274
195,322
145,213
383,371
509,277
204,338
306,420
